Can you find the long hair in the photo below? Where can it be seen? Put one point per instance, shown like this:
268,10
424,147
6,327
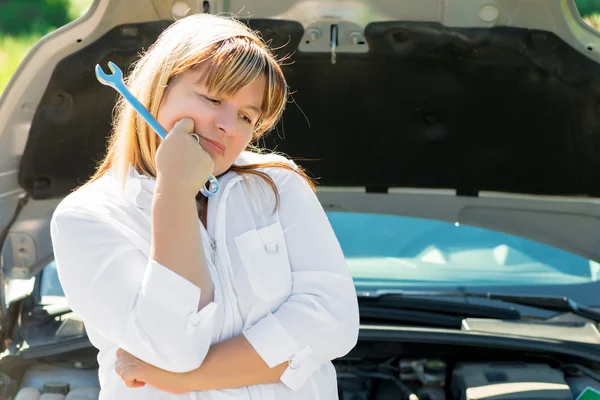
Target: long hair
233,56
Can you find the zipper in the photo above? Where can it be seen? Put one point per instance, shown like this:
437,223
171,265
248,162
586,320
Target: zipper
215,250
227,298
217,265
213,246
215,254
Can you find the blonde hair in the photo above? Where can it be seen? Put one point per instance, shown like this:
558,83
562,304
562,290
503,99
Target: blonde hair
233,56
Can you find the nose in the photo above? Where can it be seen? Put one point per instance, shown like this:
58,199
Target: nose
226,121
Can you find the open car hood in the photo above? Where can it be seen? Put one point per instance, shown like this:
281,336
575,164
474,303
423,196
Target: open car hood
480,112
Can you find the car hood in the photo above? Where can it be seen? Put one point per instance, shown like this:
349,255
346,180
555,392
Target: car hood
480,112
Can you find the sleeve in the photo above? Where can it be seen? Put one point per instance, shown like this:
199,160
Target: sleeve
320,320
133,301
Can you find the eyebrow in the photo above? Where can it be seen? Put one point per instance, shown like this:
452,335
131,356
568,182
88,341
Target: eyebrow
257,110
253,108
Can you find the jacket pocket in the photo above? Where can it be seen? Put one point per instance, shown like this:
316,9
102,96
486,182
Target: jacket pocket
264,255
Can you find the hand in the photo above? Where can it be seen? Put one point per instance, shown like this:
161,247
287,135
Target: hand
181,162
136,373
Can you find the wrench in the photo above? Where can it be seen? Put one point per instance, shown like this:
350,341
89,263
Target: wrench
115,80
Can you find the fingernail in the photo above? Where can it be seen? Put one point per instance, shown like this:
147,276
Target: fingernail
188,124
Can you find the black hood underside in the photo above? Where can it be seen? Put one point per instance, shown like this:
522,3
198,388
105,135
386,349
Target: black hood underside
471,109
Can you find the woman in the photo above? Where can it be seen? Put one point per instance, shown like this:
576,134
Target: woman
245,295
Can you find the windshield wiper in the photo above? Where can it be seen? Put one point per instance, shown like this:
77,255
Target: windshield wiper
553,303
436,311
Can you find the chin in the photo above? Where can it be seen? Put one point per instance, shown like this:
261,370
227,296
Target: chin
220,170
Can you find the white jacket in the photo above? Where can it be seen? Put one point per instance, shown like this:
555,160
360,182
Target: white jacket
280,279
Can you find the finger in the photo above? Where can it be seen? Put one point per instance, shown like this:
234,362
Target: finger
128,381
123,363
185,125
134,384
129,378
128,374
129,384
121,352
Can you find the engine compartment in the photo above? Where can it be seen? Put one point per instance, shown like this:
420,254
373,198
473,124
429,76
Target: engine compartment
431,379
480,374
71,375
48,381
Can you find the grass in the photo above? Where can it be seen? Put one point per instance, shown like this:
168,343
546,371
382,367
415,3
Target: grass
593,20
78,7
12,52
13,49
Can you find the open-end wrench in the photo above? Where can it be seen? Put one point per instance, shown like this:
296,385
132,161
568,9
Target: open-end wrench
115,80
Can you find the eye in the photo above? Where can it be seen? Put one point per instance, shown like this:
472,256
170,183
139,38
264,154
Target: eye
246,119
212,101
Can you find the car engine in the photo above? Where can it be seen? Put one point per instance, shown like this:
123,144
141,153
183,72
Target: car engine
430,379
359,379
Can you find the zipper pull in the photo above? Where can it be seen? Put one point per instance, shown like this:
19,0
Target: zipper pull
213,246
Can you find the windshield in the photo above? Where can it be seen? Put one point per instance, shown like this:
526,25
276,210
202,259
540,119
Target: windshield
390,250
404,252
50,288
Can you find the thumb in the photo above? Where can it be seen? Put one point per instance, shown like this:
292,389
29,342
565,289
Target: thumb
185,125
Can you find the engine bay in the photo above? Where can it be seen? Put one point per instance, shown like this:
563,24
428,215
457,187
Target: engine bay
431,379
73,376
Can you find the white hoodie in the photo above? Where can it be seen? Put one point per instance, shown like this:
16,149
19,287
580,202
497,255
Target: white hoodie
280,279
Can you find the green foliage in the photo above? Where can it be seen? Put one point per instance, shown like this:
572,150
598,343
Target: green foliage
24,22
588,7
12,51
24,17
78,7
594,20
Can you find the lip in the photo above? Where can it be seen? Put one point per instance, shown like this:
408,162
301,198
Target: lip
216,146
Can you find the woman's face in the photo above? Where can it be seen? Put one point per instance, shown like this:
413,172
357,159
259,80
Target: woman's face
225,125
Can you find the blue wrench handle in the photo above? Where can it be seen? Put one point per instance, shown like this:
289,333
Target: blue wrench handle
139,107
116,81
